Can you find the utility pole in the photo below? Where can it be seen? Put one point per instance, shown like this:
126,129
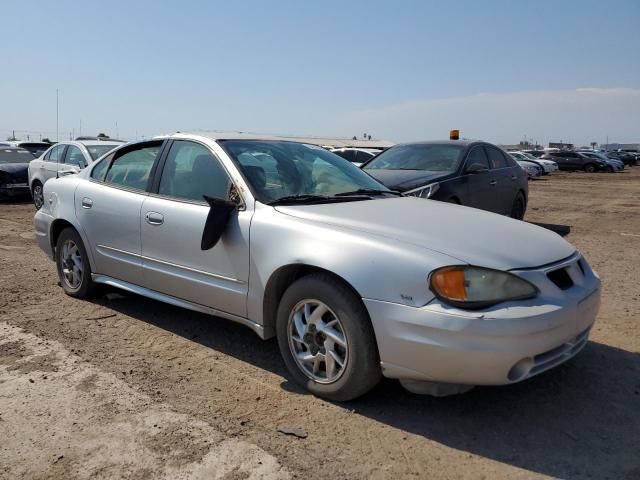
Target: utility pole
80,134
57,116
117,133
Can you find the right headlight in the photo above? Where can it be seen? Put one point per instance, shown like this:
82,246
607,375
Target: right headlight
424,192
476,287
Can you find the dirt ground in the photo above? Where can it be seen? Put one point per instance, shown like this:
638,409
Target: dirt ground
125,387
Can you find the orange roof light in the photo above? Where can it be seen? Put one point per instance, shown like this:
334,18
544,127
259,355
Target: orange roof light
454,134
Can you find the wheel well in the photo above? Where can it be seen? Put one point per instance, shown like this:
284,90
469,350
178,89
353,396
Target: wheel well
56,229
280,281
455,200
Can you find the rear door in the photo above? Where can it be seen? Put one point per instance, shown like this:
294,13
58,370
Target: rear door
173,219
479,187
108,208
72,162
49,168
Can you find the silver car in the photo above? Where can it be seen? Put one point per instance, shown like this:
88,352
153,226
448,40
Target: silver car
356,281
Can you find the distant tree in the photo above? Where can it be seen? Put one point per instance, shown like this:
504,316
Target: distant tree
593,144
46,140
354,138
369,137
102,135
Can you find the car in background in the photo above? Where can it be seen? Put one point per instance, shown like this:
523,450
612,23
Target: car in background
614,165
547,166
357,156
65,158
624,157
354,281
471,173
37,148
14,163
534,153
532,169
572,161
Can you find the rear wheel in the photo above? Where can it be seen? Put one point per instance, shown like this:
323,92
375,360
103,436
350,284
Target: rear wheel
589,168
326,338
519,207
38,194
72,264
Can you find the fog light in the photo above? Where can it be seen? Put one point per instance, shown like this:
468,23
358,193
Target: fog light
520,369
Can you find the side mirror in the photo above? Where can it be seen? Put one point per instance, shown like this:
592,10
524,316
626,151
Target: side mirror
217,220
476,168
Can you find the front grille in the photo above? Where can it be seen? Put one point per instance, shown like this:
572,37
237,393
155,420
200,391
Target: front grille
556,356
561,278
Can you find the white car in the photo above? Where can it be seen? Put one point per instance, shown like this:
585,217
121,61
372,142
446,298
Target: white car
533,170
548,166
357,156
65,158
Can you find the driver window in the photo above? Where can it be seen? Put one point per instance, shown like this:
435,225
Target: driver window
477,156
74,157
191,171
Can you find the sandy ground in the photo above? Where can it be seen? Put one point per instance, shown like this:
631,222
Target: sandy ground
125,387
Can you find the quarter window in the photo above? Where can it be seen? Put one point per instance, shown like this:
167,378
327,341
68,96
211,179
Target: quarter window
55,155
100,169
191,172
132,168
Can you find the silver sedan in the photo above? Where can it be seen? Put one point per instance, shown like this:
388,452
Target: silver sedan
355,280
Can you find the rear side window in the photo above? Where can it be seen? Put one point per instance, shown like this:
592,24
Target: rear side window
191,171
362,157
74,156
133,167
347,155
496,158
477,156
55,155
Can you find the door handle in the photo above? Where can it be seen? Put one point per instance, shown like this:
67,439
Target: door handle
492,182
514,177
154,218
66,172
87,203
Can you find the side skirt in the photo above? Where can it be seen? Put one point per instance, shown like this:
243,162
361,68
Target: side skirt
145,292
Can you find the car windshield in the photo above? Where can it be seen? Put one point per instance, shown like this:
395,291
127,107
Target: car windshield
430,157
96,151
278,169
8,155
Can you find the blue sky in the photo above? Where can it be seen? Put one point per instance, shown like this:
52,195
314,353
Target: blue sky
402,70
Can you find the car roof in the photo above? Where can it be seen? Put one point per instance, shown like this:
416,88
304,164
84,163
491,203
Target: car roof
91,143
464,143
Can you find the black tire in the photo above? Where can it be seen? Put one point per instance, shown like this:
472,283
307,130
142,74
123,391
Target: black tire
85,287
361,371
609,169
519,207
590,168
37,194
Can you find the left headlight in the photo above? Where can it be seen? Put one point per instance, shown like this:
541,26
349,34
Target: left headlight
424,192
477,287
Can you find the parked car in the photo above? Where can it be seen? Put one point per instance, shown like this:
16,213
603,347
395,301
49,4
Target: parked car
357,156
37,148
534,153
624,157
533,170
295,242
547,166
64,158
471,173
572,161
13,171
613,164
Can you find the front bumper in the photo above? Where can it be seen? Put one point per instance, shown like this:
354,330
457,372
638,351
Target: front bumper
508,343
14,190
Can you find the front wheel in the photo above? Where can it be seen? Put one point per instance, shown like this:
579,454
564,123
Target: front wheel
326,338
519,207
38,194
72,264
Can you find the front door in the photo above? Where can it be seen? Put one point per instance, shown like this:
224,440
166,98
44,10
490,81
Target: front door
108,208
173,220
479,186
505,186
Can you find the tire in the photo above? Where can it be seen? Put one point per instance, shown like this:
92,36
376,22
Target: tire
519,207
72,264
590,168
609,169
360,370
37,194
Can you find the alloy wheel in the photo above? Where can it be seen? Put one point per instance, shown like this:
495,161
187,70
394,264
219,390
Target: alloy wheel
71,264
38,196
317,341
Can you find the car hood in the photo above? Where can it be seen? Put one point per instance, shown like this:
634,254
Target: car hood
403,180
14,168
469,235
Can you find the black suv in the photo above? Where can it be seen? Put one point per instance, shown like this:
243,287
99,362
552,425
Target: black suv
574,161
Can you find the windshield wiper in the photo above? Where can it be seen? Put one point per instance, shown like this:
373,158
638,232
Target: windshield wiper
367,191
309,199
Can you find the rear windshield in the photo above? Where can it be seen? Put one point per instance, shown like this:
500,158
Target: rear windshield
96,151
430,157
15,156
